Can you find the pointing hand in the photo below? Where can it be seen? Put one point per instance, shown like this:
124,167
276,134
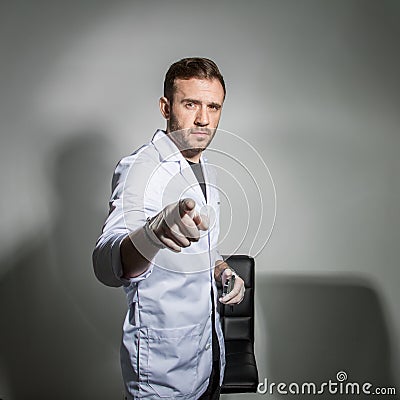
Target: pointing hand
178,224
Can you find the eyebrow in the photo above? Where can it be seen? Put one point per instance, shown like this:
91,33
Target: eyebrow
189,100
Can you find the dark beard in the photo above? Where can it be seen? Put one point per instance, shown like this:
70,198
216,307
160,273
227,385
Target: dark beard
173,124
190,153
187,152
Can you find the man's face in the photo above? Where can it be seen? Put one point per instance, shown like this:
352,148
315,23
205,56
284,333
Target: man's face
194,114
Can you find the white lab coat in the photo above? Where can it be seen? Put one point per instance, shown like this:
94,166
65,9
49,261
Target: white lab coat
166,349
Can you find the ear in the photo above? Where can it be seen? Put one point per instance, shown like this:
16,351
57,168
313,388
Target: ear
165,107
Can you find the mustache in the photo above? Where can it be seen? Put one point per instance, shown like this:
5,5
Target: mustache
207,131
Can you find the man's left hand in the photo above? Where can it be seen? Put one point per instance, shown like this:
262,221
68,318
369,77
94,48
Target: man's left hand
237,293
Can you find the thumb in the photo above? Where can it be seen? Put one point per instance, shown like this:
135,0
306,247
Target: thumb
226,274
186,206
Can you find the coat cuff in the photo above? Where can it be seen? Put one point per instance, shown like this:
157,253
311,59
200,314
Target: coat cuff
117,264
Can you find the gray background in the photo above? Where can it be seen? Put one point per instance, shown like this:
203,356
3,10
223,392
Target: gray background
312,85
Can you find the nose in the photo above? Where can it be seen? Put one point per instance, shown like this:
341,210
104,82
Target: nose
202,117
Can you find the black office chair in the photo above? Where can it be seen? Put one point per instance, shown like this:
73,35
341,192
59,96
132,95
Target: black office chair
241,375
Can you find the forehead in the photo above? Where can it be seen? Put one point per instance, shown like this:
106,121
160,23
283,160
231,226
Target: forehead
201,89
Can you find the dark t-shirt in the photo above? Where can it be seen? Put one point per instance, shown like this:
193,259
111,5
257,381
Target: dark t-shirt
198,171
212,391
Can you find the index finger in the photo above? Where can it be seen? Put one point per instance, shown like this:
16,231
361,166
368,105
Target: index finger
186,206
236,291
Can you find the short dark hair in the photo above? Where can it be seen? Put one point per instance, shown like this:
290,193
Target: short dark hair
187,68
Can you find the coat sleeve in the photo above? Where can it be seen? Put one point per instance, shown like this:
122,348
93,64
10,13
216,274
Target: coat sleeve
126,213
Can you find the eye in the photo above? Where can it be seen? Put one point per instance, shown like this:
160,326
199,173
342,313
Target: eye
190,105
214,107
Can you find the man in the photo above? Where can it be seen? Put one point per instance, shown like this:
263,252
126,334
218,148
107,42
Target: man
160,240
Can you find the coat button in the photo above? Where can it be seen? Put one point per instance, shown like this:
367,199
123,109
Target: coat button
208,345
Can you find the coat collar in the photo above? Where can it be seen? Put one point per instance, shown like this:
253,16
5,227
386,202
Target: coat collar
169,152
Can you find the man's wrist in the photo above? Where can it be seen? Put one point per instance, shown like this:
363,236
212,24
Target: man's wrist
151,236
220,267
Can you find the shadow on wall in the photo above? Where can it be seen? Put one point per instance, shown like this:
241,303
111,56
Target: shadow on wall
318,326
60,328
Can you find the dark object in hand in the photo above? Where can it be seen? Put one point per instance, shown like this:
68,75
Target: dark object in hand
228,286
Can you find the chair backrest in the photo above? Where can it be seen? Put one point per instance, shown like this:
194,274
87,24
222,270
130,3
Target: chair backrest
237,321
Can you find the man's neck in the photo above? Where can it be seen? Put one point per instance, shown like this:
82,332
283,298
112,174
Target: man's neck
195,160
